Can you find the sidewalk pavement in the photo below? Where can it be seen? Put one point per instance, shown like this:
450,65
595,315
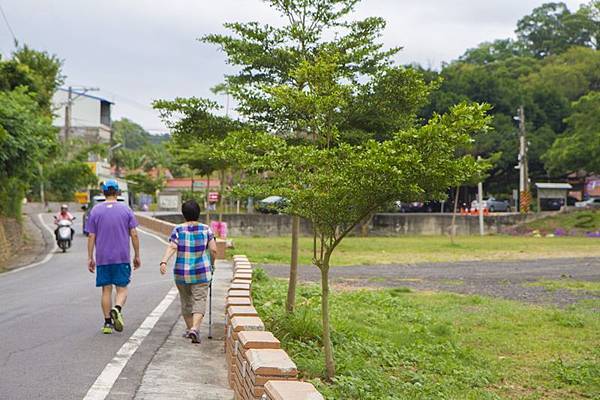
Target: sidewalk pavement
180,370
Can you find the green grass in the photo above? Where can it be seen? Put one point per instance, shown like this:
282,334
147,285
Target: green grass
414,249
568,284
394,344
577,222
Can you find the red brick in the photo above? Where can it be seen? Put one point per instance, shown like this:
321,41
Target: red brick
271,362
290,390
258,340
238,293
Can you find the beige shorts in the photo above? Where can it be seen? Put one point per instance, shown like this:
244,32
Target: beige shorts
193,298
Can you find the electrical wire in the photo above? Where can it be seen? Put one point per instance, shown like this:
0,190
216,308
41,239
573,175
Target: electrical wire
9,27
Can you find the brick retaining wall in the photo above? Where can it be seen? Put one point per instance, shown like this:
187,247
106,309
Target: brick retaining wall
258,369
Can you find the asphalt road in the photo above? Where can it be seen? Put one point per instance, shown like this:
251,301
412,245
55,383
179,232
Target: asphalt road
51,346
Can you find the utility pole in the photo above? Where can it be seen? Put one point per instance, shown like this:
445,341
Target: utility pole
68,113
524,195
480,204
523,163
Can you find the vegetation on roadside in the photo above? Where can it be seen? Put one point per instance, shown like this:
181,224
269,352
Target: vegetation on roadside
416,249
394,344
571,223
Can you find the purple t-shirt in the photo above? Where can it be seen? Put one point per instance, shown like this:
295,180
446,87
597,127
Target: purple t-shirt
111,223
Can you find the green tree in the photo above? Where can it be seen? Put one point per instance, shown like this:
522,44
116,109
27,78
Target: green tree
26,139
551,28
196,130
64,178
336,187
131,135
273,91
37,71
579,148
143,183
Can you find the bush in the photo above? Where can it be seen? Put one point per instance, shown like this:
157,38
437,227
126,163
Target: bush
12,192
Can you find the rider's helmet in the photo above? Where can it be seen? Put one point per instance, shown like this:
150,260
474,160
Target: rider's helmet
64,207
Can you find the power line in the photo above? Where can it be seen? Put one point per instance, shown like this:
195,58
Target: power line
8,26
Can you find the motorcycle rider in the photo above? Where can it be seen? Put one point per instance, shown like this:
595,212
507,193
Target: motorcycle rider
64,214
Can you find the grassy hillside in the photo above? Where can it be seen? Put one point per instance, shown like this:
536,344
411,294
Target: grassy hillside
572,223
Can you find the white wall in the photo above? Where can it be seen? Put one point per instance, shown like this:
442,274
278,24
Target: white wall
84,113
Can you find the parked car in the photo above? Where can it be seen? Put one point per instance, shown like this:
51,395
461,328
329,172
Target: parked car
551,204
271,205
592,202
492,205
418,207
88,207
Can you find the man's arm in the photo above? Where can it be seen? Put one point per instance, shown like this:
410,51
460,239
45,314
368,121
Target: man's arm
90,246
135,240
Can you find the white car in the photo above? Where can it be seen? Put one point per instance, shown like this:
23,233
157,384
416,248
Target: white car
593,202
492,205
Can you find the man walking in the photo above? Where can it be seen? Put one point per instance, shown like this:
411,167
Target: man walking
111,225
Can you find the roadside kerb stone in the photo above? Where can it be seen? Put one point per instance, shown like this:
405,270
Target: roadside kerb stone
289,390
239,285
255,356
236,325
242,276
249,340
265,365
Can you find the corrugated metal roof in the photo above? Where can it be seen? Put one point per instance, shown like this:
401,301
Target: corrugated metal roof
564,186
75,92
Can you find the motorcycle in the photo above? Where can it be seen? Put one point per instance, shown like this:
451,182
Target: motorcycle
64,234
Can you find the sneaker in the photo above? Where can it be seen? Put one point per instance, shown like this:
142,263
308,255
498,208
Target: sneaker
107,329
186,334
194,335
117,318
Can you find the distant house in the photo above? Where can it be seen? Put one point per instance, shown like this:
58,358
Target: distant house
90,116
185,184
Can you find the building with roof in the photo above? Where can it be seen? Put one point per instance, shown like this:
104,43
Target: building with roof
552,196
88,116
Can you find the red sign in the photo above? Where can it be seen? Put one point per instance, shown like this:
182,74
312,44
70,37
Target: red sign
213,197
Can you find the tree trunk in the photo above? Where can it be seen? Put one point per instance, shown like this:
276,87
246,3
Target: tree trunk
291,296
222,197
453,226
329,361
206,197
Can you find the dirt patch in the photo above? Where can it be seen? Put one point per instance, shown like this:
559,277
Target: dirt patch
34,244
504,279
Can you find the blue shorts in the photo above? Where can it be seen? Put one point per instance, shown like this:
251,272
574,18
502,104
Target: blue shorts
113,274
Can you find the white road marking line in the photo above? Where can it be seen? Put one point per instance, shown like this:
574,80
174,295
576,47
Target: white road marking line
44,261
152,235
106,380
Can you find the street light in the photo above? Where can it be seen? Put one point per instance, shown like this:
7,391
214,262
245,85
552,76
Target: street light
111,149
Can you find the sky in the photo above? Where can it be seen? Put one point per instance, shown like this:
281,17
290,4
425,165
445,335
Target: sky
136,51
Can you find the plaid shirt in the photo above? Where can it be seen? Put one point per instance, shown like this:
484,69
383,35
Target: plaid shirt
192,264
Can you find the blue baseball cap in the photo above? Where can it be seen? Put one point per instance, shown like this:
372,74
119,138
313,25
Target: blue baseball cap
111,183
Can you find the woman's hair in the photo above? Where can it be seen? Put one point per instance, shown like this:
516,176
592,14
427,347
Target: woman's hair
190,210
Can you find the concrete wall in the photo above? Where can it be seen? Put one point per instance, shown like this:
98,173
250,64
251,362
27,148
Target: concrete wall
381,224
